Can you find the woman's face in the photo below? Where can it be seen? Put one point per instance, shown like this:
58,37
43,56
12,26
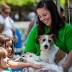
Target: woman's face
44,16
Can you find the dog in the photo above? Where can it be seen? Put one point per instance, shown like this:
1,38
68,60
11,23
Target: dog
50,53
34,59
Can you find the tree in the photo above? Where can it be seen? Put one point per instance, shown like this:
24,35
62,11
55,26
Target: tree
19,2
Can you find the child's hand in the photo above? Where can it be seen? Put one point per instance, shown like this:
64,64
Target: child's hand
36,65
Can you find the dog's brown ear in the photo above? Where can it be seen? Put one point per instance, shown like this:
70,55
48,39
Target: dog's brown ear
39,37
52,36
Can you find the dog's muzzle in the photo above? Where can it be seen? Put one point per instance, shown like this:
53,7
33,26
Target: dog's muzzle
46,46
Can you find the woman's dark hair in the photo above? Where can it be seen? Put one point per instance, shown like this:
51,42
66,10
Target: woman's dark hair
57,22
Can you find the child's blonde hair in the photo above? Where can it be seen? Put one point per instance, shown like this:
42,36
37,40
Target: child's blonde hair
2,53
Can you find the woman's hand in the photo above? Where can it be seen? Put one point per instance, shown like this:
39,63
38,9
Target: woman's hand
67,64
65,68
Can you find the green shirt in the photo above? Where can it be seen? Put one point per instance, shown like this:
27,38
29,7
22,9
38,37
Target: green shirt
63,41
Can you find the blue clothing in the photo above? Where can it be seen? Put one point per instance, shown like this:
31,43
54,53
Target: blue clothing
18,44
17,70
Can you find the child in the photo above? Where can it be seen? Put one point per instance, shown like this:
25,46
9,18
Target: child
5,42
8,47
7,62
3,65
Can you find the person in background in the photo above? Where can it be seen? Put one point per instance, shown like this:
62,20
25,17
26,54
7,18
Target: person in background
18,42
31,17
3,38
50,22
8,21
62,13
16,17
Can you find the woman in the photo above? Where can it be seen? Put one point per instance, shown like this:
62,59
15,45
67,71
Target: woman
50,23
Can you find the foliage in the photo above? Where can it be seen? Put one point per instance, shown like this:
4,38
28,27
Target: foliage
19,2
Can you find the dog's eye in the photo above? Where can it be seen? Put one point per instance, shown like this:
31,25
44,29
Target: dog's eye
49,41
43,39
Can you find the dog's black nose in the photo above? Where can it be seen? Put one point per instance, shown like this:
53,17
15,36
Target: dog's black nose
46,46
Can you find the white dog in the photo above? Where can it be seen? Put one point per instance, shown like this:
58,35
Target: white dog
32,58
50,52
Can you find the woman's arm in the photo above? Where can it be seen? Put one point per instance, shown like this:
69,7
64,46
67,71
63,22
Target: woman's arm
68,62
68,41
30,45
